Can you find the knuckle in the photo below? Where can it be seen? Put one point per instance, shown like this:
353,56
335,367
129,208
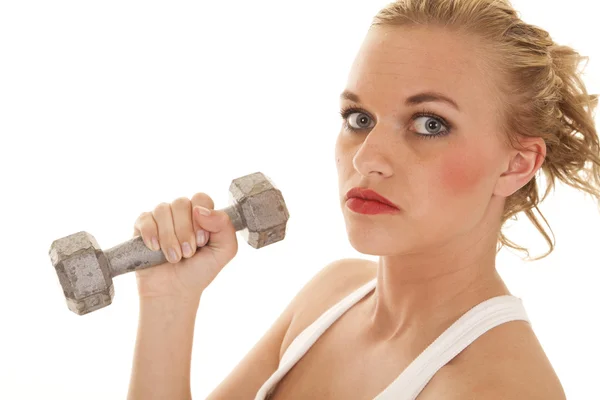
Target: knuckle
142,222
148,229
182,219
162,208
140,219
181,202
202,199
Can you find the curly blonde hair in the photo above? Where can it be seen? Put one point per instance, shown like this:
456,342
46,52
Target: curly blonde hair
545,95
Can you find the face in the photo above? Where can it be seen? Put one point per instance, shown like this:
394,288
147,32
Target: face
439,164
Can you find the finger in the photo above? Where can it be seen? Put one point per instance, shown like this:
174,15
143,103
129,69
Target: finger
145,226
220,228
204,200
184,229
166,232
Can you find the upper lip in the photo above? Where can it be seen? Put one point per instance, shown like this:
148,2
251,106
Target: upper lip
369,194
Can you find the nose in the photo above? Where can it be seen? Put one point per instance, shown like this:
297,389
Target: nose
373,156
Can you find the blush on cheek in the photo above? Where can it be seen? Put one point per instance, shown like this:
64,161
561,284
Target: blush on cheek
461,172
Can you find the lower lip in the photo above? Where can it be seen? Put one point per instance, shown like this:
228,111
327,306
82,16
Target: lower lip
369,207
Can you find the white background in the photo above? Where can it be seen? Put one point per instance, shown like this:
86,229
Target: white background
109,108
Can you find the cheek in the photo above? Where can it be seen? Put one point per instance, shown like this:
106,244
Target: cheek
337,154
462,172
343,154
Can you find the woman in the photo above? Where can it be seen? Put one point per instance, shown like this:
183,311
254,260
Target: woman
450,110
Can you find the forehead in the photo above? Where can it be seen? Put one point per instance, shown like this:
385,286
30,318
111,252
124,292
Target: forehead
396,62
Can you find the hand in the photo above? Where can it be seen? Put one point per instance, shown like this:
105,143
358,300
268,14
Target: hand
186,273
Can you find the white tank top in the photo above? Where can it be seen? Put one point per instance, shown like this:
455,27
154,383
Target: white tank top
414,378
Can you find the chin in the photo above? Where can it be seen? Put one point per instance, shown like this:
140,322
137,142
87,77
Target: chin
375,245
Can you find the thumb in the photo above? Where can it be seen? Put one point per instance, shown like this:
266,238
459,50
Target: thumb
219,226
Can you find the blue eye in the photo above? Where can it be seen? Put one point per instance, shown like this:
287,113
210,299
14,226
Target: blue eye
432,125
357,118
359,121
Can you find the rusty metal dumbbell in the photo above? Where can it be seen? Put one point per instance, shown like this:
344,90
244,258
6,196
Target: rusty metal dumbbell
85,271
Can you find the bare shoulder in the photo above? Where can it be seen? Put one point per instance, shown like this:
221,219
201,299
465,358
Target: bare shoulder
263,359
519,369
339,277
331,284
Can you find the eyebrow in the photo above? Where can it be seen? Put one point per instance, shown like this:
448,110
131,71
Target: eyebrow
425,97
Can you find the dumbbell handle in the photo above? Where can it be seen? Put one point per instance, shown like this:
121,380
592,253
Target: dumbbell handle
134,254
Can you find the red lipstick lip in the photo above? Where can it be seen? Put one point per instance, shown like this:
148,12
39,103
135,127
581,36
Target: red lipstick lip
369,194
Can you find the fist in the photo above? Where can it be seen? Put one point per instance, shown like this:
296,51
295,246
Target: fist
196,240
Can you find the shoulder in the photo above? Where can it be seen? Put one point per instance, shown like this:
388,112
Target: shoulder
327,287
338,278
515,379
520,367
335,281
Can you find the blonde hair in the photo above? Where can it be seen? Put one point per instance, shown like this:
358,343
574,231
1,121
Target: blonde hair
540,79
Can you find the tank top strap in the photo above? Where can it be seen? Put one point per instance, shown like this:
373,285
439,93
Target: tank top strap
309,336
462,333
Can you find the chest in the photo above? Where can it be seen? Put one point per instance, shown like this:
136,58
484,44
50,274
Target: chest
340,365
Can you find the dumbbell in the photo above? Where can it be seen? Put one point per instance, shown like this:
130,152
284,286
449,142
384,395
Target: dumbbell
85,272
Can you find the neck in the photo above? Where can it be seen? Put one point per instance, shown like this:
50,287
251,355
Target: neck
417,295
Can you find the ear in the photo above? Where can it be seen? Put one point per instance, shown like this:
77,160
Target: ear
523,165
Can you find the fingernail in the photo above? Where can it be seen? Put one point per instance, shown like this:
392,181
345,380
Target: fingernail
187,250
203,210
172,255
200,237
155,244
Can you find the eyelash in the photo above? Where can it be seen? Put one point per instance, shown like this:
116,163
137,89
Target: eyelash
345,112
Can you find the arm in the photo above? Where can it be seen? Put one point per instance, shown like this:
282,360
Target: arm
162,357
161,367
